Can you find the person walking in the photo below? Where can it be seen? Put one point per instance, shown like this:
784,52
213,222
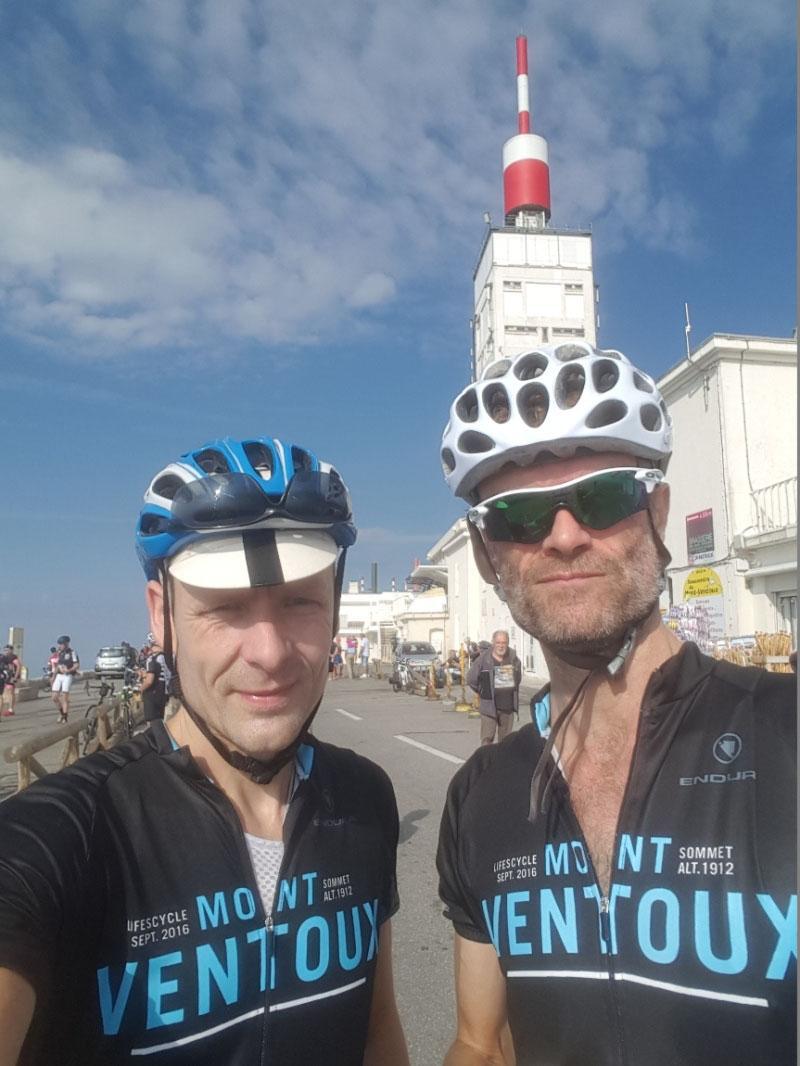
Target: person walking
363,651
621,876
67,666
12,668
495,675
351,650
219,888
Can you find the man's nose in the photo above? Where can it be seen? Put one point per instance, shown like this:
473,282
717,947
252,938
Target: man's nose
567,535
267,644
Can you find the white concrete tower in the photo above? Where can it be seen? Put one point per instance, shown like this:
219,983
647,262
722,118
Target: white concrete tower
534,282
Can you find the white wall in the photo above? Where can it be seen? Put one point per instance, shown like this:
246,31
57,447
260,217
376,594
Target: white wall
735,415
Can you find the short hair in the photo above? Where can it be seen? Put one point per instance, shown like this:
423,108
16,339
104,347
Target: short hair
498,632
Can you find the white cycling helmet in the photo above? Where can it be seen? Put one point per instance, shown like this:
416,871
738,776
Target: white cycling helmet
556,398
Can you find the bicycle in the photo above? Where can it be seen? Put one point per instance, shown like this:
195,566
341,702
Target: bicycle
123,719
104,687
90,733
129,698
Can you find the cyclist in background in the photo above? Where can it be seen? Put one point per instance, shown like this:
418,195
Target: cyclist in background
67,666
155,684
622,891
12,669
218,890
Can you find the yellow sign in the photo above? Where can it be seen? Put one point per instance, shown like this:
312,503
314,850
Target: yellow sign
702,582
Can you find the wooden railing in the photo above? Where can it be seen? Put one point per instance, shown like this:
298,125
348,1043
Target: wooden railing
109,732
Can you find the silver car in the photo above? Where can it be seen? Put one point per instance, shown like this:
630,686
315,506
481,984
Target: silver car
110,662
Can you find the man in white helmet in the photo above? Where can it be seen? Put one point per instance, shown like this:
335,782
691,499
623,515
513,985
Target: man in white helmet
217,890
621,880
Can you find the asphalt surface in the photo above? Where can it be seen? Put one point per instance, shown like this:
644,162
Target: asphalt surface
420,744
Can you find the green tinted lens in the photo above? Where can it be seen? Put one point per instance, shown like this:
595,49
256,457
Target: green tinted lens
602,501
598,502
524,519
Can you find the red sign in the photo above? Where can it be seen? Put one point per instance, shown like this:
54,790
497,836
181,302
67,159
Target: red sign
700,536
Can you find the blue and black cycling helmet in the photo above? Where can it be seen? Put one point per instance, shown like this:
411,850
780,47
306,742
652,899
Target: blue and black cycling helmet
244,513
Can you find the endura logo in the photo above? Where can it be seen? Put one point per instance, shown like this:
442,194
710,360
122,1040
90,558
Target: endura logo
727,748
718,779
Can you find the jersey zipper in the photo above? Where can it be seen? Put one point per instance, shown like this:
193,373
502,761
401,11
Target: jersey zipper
291,830
605,900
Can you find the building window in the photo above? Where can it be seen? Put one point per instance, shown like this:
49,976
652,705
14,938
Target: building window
573,287
786,602
512,286
565,331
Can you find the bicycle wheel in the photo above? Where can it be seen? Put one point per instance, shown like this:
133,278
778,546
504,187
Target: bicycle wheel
128,719
90,733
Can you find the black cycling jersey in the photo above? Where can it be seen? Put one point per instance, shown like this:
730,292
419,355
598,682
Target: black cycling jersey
690,958
128,900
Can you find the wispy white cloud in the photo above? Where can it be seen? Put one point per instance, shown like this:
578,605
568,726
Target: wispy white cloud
200,174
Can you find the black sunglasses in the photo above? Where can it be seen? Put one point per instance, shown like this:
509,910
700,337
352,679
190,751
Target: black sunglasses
222,501
599,501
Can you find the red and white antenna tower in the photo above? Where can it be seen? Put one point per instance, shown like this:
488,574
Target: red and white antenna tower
526,171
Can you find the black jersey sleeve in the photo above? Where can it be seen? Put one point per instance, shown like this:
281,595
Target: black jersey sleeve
45,835
460,903
381,793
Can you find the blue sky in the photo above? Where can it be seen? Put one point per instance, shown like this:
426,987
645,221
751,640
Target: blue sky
240,218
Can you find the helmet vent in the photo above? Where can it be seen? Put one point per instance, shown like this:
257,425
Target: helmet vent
529,366
651,417
167,486
260,458
605,375
533,403
448,461
467,406
473,443
569,384
212,461
641,382
565,353
606,414
496,370
301,460
151,524
495,400
612,353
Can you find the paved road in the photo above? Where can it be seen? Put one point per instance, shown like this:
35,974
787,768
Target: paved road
420,744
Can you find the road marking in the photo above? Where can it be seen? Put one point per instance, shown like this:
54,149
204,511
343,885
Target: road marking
349,714
429,749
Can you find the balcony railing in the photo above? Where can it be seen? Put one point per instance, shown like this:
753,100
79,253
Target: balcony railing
775,507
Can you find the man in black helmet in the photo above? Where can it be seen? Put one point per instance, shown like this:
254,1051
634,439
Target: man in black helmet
217,890
621,877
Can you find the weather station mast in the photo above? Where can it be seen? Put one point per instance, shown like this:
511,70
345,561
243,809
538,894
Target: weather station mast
534,282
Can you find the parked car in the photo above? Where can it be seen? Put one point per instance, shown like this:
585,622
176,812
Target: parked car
414,655
111,662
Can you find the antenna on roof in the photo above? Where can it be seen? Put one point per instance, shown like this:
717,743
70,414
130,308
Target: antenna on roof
687,329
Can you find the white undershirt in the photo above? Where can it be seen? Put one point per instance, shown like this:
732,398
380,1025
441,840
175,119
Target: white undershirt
266,857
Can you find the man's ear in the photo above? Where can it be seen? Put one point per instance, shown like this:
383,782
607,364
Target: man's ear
154,595
482,561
